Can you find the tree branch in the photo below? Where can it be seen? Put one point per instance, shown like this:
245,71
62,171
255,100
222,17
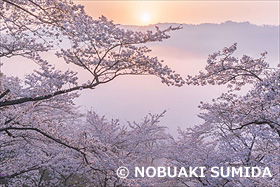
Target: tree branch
4,93
19,173
46,135
258,123
44,97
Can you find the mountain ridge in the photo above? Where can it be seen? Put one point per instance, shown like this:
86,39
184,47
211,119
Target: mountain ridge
191,24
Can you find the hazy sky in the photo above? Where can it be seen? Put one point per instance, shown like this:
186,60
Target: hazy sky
192,12
131,98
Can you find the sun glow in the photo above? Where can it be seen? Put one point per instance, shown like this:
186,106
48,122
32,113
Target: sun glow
145,18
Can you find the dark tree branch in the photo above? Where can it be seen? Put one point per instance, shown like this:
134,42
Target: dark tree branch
19,173
30,13
44,97
4,93
46,135
258,123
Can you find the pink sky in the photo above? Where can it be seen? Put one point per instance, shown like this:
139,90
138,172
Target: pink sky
191,12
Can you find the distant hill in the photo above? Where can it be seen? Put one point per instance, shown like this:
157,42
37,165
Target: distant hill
207,38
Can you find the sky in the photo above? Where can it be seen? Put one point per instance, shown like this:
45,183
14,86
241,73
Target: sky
186,52
131,12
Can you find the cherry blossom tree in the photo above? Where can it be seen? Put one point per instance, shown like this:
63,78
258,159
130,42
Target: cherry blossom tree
100,47
238,130
135,144
43,139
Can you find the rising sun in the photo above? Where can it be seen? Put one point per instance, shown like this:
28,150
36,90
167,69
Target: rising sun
145,18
